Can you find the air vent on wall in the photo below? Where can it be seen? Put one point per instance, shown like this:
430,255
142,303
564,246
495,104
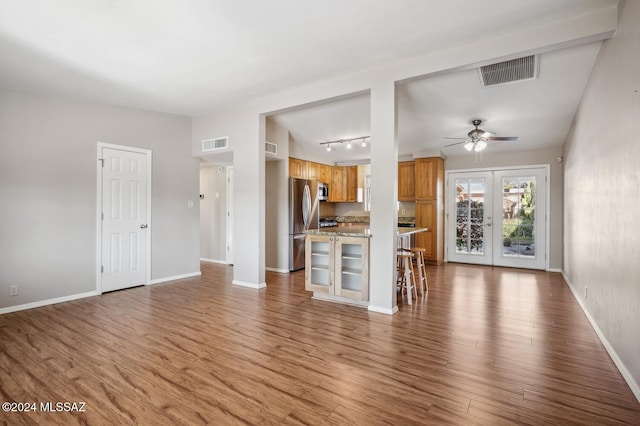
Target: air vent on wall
519,69
270,148
215,144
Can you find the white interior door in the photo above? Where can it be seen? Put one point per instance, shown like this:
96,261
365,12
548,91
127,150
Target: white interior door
498,217
125,229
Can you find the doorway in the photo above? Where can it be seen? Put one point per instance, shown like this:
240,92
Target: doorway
498,217
124,200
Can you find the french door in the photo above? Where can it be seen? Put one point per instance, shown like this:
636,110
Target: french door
498,217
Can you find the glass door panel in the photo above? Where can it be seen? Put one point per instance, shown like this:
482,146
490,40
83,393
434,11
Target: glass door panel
472,241
520,227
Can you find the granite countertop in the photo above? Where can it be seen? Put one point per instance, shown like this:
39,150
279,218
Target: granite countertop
362,231
343,231
365,219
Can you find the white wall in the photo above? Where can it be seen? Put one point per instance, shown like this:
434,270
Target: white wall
277,216
602,195
524,158
48,175
213,214
277,201
245,129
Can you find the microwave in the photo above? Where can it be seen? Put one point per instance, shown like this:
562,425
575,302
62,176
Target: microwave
323,191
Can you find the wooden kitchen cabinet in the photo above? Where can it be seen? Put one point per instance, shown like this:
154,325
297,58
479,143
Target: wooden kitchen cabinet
429,215
324,173
309,170
298,168
320,172
406,179
312,170
352,184
337,265
429,194
338,184
429,178
344,184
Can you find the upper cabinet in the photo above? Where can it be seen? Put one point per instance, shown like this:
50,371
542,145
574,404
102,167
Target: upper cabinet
320,172
338,184
298,168
352,184
309,170
429,178
342,180
344,184
406,179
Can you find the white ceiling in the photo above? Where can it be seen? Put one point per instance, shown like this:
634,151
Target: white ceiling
538,111
192,56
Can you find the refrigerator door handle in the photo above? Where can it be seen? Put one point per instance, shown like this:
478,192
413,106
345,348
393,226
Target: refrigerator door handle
306,206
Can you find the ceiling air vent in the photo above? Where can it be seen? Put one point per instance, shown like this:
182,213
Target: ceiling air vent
520,69
270,148
215,144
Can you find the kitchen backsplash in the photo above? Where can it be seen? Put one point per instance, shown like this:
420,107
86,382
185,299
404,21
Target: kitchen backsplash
354,212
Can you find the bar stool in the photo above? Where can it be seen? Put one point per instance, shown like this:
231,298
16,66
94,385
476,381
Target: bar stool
406,278
423,283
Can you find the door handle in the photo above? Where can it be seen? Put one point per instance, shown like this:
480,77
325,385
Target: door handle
143,226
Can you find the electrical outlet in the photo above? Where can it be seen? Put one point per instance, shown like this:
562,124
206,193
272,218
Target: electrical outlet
13,290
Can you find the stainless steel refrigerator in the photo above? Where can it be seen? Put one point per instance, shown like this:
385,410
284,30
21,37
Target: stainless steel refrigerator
304,214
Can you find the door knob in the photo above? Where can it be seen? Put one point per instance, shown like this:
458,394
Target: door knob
143,226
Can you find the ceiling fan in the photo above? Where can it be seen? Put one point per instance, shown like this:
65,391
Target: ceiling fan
477,139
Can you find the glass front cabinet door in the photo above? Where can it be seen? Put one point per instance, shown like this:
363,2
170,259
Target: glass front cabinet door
338,265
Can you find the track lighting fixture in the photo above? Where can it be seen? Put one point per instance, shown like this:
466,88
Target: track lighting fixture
348,141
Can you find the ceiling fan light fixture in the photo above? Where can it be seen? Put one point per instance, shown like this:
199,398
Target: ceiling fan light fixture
469,145
480,145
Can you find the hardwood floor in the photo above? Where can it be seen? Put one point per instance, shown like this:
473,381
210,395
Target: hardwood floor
488,346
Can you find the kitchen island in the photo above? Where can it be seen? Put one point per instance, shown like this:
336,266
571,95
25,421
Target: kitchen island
337,262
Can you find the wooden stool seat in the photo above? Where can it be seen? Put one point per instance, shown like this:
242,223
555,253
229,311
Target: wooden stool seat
423,284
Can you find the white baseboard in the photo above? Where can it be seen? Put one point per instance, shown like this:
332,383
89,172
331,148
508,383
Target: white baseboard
635,388
175,277
339,299
555,270
222,262
385,311
47,302
278,270
249,285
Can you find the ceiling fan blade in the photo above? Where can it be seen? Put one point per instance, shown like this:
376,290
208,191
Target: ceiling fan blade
456,143
503,138
458,138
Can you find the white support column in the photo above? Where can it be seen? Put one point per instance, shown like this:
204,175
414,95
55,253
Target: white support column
384,196
249,204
